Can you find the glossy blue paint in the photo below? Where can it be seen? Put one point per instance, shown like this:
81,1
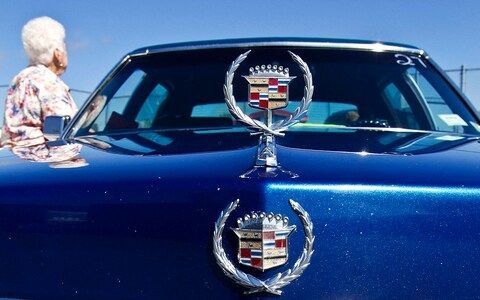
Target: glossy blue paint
376,189
141,226
389,241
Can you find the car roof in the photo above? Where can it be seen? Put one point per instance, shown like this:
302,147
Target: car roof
289,41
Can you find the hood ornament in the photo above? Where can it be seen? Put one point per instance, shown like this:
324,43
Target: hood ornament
263,244
268,90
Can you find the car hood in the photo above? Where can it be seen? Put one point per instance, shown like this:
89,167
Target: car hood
365,157
117,217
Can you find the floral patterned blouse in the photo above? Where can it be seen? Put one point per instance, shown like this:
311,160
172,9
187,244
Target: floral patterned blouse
35,93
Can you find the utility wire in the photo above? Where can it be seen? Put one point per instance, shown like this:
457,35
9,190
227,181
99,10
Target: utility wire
447,70
80,91
466,69
72,90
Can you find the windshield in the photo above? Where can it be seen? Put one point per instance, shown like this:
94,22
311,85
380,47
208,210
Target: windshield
353,89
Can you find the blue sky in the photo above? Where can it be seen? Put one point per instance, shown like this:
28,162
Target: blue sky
100,32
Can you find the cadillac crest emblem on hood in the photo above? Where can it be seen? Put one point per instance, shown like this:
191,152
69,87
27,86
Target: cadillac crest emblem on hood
263,240
268,90
263,244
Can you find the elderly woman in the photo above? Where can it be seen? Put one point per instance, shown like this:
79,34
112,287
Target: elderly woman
37,91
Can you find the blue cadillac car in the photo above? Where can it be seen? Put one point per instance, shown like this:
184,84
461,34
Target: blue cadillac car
306,168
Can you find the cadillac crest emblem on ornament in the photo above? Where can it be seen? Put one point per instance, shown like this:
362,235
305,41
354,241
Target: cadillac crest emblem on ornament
268,90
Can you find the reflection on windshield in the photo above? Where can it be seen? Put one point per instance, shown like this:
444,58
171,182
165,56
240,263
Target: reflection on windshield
348,139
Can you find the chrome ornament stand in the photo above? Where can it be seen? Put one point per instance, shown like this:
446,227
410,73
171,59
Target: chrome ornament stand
267,151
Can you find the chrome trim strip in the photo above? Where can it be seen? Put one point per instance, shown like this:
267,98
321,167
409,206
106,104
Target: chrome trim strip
375,47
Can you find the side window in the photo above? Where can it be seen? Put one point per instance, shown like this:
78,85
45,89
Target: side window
401,110
332,113
150,107
117,103
443,117
211,110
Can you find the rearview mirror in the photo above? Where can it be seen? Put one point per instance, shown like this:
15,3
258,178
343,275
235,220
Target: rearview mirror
54,126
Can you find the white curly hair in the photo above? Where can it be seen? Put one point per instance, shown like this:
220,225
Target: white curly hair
40,37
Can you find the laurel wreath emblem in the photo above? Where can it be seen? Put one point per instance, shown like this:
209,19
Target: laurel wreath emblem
275,283
278,127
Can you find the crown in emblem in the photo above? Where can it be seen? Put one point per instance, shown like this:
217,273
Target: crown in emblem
259,220
268,71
